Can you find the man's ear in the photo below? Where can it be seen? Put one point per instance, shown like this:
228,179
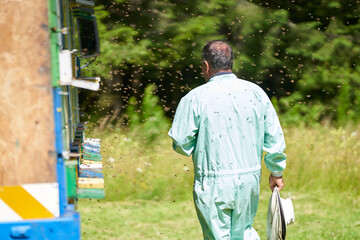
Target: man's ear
207,66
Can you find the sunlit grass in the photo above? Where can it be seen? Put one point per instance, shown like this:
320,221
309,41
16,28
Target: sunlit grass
149,188
139,220
135,169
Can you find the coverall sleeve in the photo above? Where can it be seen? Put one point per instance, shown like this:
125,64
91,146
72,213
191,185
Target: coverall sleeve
274,142
185,127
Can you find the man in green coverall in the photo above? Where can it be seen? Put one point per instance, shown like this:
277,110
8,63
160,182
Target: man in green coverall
226,124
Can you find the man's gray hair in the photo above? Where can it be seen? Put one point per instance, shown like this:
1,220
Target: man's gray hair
218,54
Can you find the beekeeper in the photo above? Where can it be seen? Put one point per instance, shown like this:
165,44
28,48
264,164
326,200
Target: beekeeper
226,124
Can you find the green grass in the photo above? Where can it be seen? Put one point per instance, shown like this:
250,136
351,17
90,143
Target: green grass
149,188
139,220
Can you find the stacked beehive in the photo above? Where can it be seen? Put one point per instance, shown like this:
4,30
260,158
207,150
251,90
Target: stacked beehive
90,179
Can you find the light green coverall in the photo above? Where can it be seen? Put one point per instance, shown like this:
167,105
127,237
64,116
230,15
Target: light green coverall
226,124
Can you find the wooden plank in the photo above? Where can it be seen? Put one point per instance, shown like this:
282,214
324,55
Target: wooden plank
86,149
85,161
98,193
91,156
91,147
91,167
90,183
26,102
90,174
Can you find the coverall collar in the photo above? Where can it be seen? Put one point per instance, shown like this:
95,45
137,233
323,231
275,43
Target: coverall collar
218,74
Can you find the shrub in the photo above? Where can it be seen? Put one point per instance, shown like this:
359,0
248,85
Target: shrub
147,118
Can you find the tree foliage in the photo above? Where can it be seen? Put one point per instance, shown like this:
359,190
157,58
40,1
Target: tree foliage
305,54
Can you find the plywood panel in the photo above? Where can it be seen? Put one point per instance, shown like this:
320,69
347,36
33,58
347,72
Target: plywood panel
27,153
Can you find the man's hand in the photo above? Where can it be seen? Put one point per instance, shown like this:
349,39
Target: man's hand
276,181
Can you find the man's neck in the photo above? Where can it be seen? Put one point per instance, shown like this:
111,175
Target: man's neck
221,72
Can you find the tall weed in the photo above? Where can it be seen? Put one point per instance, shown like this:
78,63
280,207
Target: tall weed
323,158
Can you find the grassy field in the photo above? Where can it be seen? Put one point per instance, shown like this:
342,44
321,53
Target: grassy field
149,188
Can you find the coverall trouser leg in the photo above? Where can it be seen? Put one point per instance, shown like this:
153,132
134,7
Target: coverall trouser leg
226,206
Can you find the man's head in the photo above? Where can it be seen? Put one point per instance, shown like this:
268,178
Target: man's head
217,56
